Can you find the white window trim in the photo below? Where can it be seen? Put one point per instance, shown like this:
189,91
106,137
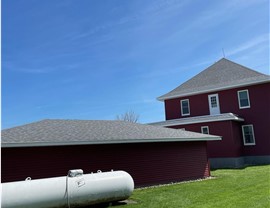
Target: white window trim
187,114
248,144
239,103
203,128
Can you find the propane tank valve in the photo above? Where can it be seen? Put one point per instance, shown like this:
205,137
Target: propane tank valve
75,173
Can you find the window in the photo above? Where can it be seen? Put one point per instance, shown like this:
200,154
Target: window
213,101
248,135
185,107
205,129
243,99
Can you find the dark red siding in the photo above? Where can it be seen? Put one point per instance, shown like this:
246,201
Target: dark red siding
148,163
198,105
231,144
258,115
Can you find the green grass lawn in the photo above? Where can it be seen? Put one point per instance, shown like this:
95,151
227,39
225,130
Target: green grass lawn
239,188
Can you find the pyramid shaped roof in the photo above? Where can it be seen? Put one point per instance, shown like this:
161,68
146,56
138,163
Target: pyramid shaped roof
224,74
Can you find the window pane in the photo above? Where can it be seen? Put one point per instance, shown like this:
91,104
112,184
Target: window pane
243,95
244,102
243,99
185,104
246,130
248,134
205,130
185,110
213,102
185,107
249,138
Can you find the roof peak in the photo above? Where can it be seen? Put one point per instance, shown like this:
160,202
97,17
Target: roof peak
223,74
228,60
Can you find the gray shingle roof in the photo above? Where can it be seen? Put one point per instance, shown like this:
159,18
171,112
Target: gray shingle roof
53,132
199,119
224,74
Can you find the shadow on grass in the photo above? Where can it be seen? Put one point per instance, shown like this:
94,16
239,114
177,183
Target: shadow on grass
111,204
239,167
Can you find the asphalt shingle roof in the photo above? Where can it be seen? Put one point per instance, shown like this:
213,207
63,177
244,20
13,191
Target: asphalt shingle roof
223,74
53,132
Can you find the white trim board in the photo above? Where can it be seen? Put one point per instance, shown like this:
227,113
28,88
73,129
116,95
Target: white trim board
199,119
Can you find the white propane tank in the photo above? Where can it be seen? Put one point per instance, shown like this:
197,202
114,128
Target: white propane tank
75,190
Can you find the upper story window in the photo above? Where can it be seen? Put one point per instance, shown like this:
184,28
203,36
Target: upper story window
243,99
248,135
185,107
205,129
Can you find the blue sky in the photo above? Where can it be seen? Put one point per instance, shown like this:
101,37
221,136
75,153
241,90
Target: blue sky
95,59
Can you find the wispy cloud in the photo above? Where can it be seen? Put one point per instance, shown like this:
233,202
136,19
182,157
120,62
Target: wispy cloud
250,44
167,71
152,9
213,15
161,7
37,70
257,48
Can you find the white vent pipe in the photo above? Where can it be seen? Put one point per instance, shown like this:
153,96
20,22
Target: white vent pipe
74,190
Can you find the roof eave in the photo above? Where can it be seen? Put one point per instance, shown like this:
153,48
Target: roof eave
177,122
164,97
47,144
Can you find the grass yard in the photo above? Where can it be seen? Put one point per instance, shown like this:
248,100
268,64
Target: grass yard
239,188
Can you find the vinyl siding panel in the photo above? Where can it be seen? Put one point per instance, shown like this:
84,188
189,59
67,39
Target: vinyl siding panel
148,164
231,143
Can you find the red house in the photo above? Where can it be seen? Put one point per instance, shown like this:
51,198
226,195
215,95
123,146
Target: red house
229,100
151,155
